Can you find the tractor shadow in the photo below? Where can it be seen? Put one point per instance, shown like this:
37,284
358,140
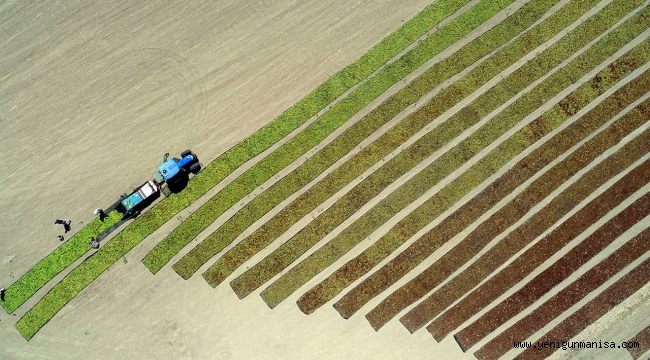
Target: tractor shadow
179,185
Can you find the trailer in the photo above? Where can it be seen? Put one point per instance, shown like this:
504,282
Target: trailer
132,204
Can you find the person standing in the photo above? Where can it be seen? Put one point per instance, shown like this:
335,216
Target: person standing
101,214
3,291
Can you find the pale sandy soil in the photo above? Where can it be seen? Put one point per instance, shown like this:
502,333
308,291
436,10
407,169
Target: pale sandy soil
92,95
126,79
620,324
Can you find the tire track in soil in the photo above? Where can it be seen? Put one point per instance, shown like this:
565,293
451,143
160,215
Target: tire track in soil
454,223
551,276
587,314
520,237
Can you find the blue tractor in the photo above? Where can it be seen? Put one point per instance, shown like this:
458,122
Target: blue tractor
175,172
170,177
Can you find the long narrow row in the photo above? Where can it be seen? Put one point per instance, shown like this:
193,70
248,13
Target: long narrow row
248,149
445,164
50,266
470,245
443,101
478,205
643,339
486,103
442,201
454,259
316,132
509,214
55,262
586,315
550,277
524,234
520,268
567,297
232,159
344,143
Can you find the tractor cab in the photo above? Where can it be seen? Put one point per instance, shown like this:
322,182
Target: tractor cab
169,169
175,172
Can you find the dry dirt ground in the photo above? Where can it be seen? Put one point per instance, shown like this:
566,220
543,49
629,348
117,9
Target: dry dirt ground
93,93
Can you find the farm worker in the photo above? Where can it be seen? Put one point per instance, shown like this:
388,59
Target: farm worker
66,224
2,293
60,237
94,243
101,214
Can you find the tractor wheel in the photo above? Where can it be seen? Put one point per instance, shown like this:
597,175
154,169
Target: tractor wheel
166,191
186,152
195,168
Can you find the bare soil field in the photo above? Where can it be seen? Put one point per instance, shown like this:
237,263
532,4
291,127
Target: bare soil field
91,96
382,179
